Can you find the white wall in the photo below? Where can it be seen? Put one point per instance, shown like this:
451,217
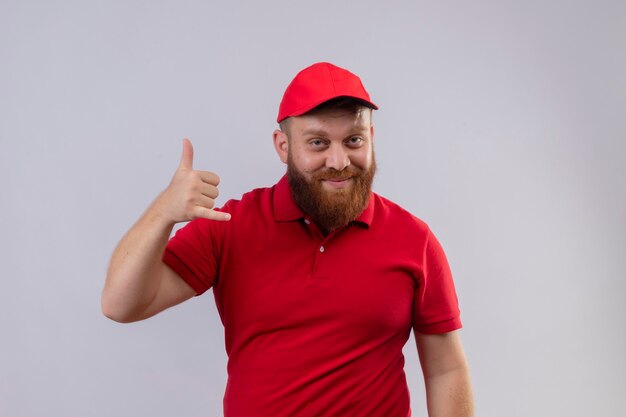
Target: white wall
502,124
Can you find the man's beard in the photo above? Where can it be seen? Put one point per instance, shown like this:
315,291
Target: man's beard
331,210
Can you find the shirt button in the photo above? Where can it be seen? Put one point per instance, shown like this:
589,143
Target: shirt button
307,221
321,249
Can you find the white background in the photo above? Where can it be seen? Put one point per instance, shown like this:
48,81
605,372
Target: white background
502,124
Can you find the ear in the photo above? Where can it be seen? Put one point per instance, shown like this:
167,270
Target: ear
281,144
372,132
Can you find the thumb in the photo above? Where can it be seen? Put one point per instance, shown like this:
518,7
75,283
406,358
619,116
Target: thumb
186,160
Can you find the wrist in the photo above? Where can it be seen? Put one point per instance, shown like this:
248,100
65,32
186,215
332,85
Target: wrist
159,214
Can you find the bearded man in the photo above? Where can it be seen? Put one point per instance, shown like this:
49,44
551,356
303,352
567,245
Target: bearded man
318,280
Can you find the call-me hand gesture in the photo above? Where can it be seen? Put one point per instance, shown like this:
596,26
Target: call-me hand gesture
191,193
139,284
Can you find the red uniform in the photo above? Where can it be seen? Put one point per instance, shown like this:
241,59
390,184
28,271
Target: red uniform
315,325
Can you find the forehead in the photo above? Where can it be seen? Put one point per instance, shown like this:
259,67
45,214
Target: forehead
332,120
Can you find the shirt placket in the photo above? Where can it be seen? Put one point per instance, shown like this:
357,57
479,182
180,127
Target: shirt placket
321,250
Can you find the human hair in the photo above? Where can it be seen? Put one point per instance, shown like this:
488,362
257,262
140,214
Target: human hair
344,103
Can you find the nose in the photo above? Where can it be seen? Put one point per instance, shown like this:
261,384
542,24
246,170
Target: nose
337,158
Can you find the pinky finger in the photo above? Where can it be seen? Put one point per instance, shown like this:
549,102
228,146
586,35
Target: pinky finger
205,213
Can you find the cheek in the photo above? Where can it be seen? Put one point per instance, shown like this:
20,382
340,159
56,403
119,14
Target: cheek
309,162
362,160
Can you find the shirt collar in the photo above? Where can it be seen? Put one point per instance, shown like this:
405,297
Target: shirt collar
286,209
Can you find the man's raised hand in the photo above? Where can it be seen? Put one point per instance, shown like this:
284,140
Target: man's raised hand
191,194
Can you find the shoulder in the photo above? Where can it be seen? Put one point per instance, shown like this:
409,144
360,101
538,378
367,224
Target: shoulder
393,215
398,227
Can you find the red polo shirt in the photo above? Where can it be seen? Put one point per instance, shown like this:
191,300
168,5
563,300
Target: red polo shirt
315,325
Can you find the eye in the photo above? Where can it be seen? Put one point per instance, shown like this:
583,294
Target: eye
355,141
317,143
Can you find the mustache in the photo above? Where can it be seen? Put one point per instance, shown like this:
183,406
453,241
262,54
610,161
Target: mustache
333,174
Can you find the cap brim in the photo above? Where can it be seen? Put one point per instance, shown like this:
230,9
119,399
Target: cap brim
313,105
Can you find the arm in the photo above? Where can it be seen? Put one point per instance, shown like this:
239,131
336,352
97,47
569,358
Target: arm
446,375
138,284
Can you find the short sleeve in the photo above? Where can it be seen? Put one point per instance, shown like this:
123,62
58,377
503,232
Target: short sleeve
193,254
435,304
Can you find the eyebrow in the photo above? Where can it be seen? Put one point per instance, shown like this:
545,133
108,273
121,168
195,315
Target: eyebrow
322,132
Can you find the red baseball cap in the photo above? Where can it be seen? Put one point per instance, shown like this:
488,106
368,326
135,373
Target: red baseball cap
317,84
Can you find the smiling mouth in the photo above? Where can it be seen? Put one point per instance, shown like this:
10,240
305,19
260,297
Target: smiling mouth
338,182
